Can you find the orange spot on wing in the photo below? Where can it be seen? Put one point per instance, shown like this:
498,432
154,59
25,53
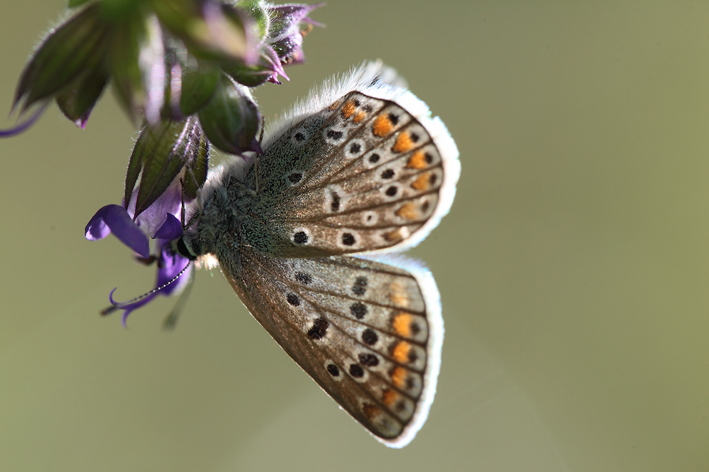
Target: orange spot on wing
401,352
382,126
408,210
417,161
403,142
370,411
398,376
389,397
395,235
348,109
398,295
402,324
422,182
359,117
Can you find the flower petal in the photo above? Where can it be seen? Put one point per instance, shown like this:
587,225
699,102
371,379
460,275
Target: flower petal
171,229
114,219
128,307
20,127
170,265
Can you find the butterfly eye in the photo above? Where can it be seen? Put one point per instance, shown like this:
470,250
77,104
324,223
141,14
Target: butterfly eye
183,250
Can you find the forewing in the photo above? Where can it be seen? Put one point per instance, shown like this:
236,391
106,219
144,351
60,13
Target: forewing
369,333
370,171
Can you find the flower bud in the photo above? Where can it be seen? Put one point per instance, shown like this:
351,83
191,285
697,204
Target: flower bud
198,86
210,29
284,34
137,64
268,68
160,154
231,119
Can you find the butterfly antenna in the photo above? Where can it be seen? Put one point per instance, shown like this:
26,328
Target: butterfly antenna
115,306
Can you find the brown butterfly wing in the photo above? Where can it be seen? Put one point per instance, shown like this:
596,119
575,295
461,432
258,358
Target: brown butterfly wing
369,333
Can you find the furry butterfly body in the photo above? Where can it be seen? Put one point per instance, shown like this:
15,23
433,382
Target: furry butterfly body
358,170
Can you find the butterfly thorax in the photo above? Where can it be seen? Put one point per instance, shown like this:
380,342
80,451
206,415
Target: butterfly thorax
227,206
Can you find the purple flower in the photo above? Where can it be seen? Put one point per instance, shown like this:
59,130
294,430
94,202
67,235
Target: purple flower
160,222
23,125
170,265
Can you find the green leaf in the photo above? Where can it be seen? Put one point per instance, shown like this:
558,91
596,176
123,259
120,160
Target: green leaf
231,119
198,86
77,101
73,48
161,153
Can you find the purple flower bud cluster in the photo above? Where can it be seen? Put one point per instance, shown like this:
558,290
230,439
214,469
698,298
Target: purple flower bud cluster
167,60
183,68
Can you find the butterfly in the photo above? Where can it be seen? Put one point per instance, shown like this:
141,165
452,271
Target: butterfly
308,232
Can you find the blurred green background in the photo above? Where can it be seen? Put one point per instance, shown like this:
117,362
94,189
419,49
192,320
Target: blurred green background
573,267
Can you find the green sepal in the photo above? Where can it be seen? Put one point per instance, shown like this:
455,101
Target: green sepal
197,165
77,100
198,86
209,29
118,11
255,75
259,13
137,66
231,118
77,3
68,51
160,154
